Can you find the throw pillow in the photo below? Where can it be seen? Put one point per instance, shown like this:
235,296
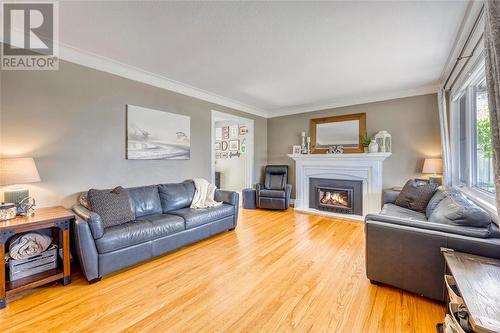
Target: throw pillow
457,210
113,206
415,195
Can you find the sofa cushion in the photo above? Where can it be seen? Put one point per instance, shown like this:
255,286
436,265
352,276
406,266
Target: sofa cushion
176,196
439,195
272,193
397,211
144,229
113,206
415,195
196,217
145,200
456,209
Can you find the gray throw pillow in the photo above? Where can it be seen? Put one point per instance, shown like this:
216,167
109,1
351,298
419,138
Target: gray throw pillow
113,206
458,210
415,195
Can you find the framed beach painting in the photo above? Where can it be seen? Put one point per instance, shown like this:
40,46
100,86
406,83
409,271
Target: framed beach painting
157,135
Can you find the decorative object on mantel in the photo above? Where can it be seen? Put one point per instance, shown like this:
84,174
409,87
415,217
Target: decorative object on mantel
14,171
366,142
335,149
296,150
384,139
303,149
7,211
373,147
434,166
308,145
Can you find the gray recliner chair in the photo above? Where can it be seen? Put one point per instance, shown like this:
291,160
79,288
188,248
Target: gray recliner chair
275,192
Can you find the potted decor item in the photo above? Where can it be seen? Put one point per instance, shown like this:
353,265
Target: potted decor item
373,147
366,142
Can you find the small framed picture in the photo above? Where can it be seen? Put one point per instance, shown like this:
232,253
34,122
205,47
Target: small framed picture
225,132
217,156
296,150
223,145
224,155
243,130
233,131
218,133
217,145
234,145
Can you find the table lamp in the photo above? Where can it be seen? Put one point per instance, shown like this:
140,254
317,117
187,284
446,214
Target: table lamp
17,172
433,166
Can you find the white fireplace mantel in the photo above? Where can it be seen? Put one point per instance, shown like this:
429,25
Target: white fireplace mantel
366,167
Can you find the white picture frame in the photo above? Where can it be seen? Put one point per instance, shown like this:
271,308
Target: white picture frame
296,150
234,145
234,131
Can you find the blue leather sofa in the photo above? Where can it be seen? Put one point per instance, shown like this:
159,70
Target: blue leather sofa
163,222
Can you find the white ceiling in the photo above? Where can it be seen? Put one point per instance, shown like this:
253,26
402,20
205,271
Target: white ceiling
274,58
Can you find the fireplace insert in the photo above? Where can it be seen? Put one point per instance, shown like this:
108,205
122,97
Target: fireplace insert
336,195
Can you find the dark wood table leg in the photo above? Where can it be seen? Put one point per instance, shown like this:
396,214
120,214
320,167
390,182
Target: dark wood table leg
4,236
64,226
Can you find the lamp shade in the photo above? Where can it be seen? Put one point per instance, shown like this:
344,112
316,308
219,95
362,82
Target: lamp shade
433,165
18,171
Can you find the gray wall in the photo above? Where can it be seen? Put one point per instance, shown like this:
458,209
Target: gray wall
73,122
413,123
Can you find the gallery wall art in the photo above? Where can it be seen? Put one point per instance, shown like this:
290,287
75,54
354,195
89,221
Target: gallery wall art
157,135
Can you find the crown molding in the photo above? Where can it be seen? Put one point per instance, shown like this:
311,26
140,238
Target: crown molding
104,64
377,97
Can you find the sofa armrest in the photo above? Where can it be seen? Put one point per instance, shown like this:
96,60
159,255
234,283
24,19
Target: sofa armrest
228,197
93,220
389,196
85,249
428,225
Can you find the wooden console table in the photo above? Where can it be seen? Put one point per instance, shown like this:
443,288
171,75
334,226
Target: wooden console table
478,280
57,218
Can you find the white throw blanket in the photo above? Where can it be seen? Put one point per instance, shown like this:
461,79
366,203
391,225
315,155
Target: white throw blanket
204,194
28,245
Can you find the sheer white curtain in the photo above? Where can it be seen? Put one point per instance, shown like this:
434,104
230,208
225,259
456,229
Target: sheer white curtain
445,137
492,47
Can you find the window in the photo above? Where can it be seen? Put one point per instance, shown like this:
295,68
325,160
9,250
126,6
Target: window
483,153
471,138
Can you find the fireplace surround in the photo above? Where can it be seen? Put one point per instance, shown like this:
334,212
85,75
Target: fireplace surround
366,168
336,195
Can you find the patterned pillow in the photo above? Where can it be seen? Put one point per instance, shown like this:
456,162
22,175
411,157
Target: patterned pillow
415,195
113,206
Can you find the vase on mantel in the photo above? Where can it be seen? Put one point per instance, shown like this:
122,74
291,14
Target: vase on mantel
373,147
365,150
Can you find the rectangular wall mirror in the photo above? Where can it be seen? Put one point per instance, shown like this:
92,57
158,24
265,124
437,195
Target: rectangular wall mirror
347,131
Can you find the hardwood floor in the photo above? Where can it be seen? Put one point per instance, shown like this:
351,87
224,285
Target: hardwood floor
279,271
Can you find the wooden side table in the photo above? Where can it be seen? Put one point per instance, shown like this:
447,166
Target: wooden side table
57,218
478,281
